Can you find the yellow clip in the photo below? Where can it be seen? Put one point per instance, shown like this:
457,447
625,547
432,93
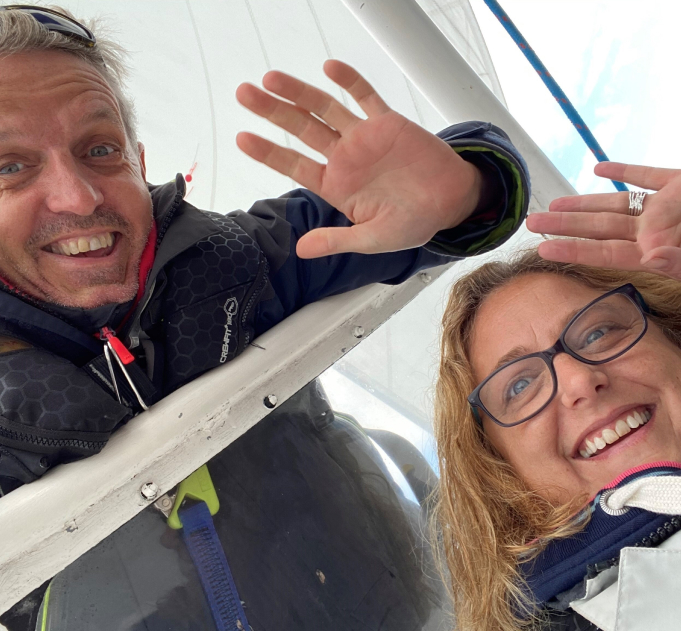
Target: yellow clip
198,486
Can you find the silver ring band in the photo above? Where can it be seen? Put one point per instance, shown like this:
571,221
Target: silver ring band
636,202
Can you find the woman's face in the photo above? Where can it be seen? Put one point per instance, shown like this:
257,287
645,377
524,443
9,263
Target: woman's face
531,312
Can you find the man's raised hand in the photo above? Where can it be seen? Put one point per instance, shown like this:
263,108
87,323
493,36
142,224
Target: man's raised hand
650,242
397,183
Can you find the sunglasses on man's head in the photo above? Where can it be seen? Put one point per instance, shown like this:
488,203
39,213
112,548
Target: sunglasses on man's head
56,22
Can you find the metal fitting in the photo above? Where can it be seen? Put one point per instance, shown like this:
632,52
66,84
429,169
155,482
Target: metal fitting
149,491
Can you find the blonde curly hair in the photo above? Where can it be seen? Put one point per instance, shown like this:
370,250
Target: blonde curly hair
485,517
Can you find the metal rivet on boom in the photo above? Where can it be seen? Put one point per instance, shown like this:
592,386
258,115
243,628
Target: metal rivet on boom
149,491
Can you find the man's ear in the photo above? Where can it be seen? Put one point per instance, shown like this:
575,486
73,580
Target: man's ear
143,165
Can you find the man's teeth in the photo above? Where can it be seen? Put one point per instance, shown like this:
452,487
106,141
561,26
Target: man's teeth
612,434
68,247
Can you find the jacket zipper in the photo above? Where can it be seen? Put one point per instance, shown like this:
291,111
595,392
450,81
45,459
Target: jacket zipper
655,538
258,286
133,335
52,442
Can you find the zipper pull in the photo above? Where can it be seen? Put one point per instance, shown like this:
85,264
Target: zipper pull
117,346
123,357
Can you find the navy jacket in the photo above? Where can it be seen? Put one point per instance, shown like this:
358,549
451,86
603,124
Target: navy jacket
213,283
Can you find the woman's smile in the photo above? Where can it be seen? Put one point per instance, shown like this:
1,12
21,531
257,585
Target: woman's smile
600,441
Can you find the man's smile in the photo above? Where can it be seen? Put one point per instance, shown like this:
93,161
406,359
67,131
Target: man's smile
96,245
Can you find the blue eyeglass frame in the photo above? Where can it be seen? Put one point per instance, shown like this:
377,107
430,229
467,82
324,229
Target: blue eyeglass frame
561,347
44,16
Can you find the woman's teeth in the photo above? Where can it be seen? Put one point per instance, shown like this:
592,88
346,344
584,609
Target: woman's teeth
612,434
69,247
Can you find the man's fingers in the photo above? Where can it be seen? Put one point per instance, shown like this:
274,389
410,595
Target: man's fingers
651,178
306,172
313,132
357,86
310,99
613,254
584,225
598,203
327,241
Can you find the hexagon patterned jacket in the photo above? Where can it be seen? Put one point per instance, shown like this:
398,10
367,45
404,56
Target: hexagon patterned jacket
209,284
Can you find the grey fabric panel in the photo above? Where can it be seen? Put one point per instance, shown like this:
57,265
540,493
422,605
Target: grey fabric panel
649,589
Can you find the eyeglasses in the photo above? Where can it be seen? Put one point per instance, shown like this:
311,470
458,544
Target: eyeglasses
602,331
56,22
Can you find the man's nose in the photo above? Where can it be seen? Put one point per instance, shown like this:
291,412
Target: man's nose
69,189
578,382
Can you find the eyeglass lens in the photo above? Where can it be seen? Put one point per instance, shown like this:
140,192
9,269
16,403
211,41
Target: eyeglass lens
604,330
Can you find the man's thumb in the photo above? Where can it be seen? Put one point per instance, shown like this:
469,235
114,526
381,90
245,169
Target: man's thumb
328,241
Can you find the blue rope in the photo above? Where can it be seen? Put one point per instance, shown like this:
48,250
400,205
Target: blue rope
210,561
553,87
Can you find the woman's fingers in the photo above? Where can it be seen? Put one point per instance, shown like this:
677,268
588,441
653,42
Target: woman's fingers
652,178
313,132
598,203
664,260
357,86
303,170
613,254
585,225
310,99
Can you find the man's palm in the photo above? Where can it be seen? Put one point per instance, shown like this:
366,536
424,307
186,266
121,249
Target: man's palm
397,183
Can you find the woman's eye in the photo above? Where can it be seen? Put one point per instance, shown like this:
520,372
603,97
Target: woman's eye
594,335
101,151
518,386
10,169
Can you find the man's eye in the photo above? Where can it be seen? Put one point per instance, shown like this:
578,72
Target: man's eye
101,151
10,169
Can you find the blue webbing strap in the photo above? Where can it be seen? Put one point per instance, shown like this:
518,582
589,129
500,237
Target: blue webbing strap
210,561
552,85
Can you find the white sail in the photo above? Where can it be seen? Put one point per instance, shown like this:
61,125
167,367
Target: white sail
456,19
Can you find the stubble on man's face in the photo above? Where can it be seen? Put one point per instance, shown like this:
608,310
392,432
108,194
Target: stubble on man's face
75,212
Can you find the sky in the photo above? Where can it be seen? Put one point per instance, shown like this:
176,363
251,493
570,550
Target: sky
615,59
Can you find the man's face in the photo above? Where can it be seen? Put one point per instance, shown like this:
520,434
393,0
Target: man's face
75,212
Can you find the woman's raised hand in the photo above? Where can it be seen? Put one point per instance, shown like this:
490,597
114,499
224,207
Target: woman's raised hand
397,183
610,237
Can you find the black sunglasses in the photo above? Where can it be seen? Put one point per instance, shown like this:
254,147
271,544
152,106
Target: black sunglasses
56,22
492,395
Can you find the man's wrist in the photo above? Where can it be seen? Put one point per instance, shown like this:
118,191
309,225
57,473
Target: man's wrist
485,193
491,188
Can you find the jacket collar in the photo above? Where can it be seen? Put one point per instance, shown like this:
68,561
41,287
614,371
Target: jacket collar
564,563
180,225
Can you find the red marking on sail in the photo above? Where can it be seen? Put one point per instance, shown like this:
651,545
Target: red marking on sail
190,176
